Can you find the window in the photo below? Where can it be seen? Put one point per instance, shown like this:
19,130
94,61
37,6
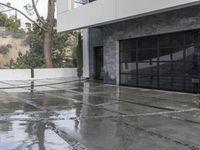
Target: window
168,61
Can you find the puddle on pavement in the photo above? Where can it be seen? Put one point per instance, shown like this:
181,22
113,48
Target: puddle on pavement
29,135
8,105
80,110
100,134
88,124
86,98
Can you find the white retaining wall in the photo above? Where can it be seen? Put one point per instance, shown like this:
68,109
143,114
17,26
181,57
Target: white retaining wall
15,74
54,73
25,74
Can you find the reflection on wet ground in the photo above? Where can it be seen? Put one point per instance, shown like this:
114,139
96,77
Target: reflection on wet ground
61,114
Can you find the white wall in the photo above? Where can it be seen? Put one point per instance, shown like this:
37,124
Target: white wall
55,73
25,74
64,5
107,11
15,74
85,53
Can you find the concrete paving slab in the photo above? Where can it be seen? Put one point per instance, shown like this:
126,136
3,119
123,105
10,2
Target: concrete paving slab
47,101
63,93
162,103
185,132
16,107
16,83
81,110
193,116
42,88
62,86
130,109
88,90
83,98
96,116
35,83
27,95
182,97
29,135
8,105
106,134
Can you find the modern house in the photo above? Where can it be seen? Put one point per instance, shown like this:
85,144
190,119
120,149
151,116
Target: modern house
139,43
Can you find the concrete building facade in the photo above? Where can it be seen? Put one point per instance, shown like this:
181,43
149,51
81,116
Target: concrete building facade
157,47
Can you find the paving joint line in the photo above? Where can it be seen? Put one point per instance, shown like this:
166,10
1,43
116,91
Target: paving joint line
65,136
190,146
121,100
142,115
166,92
15,87
123,114
77,101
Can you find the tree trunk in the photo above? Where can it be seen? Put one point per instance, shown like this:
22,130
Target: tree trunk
48,34
47,49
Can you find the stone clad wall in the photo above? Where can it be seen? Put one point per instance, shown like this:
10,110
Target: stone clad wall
178,20
95,40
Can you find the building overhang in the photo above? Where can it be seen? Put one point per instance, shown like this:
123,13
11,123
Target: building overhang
103,12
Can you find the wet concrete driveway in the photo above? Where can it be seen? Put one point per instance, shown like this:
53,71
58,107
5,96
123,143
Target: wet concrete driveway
71,115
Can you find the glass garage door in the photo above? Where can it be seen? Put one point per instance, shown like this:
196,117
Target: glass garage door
169,61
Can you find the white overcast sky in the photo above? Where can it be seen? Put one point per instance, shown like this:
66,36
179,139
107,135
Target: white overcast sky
42,8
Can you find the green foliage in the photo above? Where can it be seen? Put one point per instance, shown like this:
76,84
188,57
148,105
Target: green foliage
19,34
59,57
34,57
35,40
35,43
10,23
28,60
79,56
198,100
58,49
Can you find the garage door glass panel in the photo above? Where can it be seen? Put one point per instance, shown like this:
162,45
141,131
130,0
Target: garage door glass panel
168,61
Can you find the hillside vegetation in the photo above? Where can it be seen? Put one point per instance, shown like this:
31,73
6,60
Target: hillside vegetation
21,49
10,48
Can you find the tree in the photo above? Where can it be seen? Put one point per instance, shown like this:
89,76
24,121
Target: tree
10,23
45,25
61,43
79,56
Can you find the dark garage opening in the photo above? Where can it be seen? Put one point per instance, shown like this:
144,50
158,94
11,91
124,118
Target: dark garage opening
168,61
98,63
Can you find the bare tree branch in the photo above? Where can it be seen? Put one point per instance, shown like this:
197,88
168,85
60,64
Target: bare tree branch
40,26
37,2
37,13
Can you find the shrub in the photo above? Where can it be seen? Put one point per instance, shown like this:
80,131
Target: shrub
4,49
198,100
18,35
9,46
79,57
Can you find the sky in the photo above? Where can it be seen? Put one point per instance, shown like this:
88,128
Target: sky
42,8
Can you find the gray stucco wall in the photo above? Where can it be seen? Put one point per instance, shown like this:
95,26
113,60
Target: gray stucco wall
182,19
